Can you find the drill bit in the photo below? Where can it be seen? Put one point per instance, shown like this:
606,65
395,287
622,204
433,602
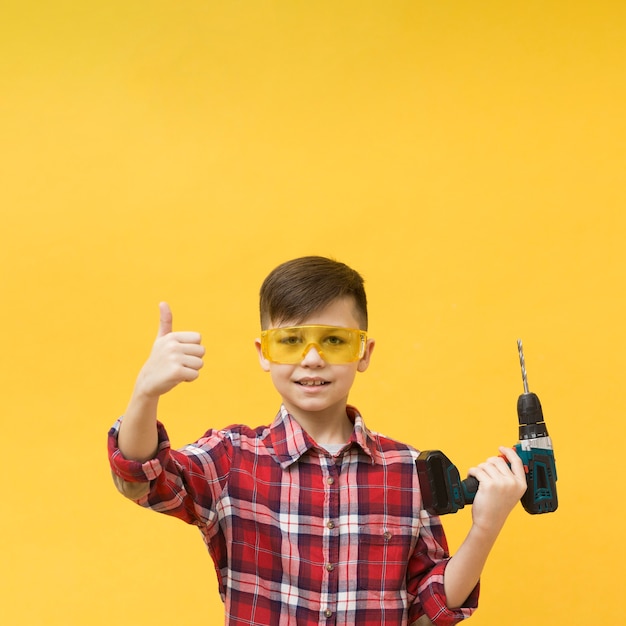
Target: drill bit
522,365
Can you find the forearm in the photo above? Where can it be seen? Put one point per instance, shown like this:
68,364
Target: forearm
465,567
138,437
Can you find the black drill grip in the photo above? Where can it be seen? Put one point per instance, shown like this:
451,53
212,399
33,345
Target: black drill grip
470,487
442,489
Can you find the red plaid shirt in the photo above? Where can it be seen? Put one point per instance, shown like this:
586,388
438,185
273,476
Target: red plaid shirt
299,536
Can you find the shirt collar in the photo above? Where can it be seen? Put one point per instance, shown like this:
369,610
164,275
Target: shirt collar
290,441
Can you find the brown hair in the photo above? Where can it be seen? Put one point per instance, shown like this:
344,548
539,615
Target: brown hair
296,289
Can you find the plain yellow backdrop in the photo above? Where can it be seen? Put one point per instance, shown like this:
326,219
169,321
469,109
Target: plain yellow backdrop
467,158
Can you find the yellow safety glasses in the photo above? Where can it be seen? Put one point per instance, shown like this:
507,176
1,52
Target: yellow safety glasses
336,345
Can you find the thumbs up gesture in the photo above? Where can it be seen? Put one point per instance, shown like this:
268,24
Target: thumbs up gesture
176,357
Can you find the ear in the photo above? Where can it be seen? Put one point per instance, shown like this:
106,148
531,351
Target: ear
265,364
367,355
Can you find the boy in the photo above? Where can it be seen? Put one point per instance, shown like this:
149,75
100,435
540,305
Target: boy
314,519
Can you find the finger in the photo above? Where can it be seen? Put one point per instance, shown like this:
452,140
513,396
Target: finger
165,319
190,374
499,462
517,466
187,337
192,362
494,468
510,454
194,349
482,472
477,472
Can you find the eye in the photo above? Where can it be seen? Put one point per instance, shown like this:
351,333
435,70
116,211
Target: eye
334,340
290,340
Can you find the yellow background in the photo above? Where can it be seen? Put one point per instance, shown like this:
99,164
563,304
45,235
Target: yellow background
467,157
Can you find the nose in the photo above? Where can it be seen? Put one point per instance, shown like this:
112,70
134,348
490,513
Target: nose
312,356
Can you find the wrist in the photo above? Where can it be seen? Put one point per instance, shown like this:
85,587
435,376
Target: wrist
485,531
144,397
145,392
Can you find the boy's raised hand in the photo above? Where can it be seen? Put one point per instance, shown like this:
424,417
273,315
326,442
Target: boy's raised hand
176,357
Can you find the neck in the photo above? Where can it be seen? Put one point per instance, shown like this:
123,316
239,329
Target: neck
325,427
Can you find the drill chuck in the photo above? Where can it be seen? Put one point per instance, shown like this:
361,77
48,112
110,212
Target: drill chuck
530,417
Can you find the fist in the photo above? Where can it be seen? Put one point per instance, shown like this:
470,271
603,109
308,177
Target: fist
502,482
176,357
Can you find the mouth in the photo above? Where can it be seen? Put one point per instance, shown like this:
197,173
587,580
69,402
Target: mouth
312,382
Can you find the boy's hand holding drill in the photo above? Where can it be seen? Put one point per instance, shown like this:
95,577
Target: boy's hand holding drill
502,484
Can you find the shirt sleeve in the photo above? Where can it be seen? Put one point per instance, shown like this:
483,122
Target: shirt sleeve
183,483
426,572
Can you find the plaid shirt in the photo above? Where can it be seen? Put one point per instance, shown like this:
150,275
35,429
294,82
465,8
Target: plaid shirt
299,536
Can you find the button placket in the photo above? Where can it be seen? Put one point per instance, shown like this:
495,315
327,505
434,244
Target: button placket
332,488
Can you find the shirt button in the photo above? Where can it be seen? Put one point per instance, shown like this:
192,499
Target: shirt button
330,525
330,480
387,535
330,567
328,613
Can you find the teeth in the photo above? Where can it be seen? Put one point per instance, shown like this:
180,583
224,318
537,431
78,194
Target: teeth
312,383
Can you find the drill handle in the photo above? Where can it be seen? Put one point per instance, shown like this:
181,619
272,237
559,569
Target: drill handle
540,467
470,487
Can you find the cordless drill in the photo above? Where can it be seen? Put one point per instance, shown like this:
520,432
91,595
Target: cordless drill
443,491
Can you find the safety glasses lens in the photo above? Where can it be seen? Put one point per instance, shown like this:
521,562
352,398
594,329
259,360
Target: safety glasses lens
334,344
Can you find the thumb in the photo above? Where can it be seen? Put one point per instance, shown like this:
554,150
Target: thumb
165,319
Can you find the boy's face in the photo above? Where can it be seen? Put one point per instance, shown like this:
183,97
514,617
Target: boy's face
312,386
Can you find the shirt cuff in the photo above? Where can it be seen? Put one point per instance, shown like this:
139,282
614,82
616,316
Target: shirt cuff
433,599
134,471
